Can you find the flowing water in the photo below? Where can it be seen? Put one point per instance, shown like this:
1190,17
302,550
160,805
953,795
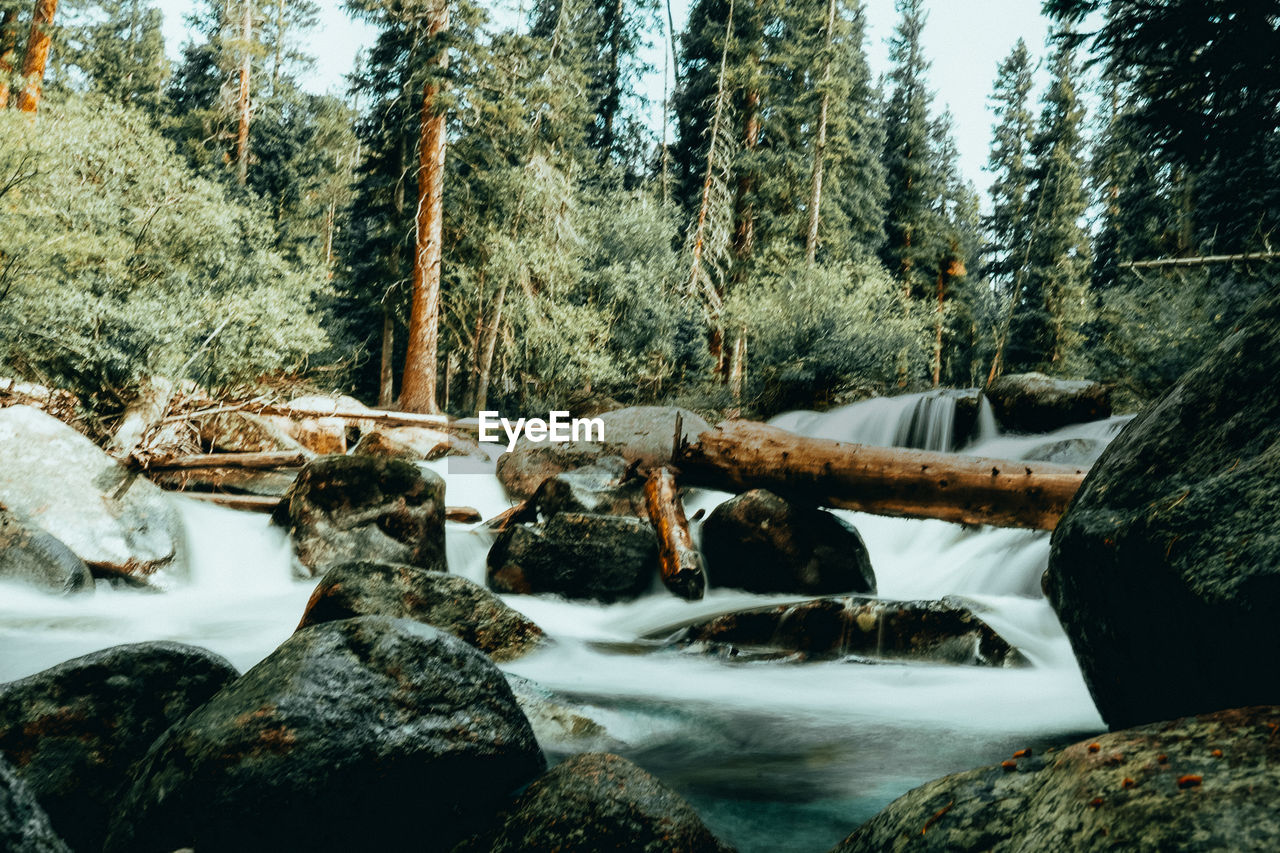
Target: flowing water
775,756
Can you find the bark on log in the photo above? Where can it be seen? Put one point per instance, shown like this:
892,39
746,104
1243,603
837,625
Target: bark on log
682,570
742,455
267,459
250,503
144,413
517,514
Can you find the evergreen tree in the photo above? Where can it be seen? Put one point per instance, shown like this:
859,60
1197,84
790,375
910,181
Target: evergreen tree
121,52
1008,227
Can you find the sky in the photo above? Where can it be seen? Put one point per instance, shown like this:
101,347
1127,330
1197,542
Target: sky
966,40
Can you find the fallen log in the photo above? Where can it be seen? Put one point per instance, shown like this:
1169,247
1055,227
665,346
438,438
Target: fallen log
265,459
741,455
518,514
682,570
251,503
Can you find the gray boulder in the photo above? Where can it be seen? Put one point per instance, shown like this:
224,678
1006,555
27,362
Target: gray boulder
1033,402
31,556
24,827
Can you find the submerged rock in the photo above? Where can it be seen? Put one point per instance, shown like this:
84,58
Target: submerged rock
600,557
76,732
760,542
345,508
448,602
1165,569
113,518
24,827
1198,783
1033,402
357,732
31,556
943,631
595,802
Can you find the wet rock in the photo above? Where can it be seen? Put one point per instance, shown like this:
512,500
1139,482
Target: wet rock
1164,569
345,508
76,732
111,517
594,802
760,542
1198,783
273,483
357,732
561,726
607,486
31,556
524,469
945,631
600,557
968,402
1070,451
448,602
24,827
410,443
1033,402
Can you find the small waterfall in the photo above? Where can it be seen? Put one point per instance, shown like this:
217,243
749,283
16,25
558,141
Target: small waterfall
986,428
925,421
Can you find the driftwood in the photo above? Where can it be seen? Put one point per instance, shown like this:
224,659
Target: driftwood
741,455
266,459
682,570
251,503
521,512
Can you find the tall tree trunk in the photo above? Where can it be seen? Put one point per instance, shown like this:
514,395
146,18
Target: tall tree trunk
820,145
489,348
418,387
242,99
9,52
37,55
386,381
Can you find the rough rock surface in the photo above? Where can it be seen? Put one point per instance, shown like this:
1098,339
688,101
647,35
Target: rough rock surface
1165,569
606,487
31,556
112,518
76,732
945,631
448,602
344,508
410,443
24,827
601,557
561,726
363,731
760,542
1198,783
1033,402
595,802
241,432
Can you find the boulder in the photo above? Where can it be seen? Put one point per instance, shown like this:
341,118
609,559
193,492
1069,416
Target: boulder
601,557
1198,783
594,802
449,602
321,435
524,469
31,556
1165,569
344,508
1069,451
366,731
24,827
76,732
111,517
410,443
57,402
760,542
945,631
1033,402
560,725
605,487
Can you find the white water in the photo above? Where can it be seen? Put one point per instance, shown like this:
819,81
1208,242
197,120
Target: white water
775,756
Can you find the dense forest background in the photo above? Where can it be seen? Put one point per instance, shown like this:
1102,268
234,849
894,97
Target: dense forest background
795,233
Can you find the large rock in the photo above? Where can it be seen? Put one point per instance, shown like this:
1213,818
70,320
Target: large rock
31,556
449,602
345,508
597,802
1033,402
945,631
600,557
1200,783
760,542
111,517
367,731
24,827
1165,569
560,725
607,486
410,443
76,732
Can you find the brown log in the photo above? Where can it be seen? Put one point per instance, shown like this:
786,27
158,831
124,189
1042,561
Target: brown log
682,570
521,512
267,459
462,514
250,503
143,414
741,455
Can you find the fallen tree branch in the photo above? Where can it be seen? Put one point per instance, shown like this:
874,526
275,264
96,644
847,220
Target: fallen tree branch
682,570
265,459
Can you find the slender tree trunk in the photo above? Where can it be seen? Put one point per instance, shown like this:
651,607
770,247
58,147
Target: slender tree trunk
820,145
9,53
242,99
37,55
386,381
418,386
489,348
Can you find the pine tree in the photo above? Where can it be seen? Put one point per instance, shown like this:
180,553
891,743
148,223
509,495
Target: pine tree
1008,227
121,53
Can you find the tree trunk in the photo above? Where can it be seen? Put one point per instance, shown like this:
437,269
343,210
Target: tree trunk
820,145
9,52
682,570
742,455
242,99
37,55
267,459
418,385
488,349
386,381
